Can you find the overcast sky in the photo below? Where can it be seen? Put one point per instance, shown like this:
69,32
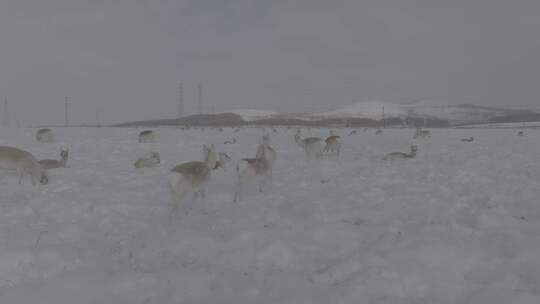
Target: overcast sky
126,57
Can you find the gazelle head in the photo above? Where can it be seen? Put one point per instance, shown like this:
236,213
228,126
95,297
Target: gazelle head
297,136
224,159
261,151
39,173
266,139
64,154
155,155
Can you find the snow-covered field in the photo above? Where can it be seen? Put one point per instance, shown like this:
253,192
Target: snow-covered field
458,224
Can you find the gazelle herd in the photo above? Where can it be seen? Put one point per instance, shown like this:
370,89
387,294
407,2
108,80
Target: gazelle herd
192,178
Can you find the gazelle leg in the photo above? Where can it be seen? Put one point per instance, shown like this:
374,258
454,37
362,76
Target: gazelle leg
238,192
173,206
21,174
202,194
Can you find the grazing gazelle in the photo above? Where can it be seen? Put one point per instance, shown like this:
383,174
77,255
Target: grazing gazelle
54,163
422,133
352,132
151,161
146,136
470,139
191,177
230,142
311,145
401,155
332,144
45,135
521,133
24,162
379,131
257,169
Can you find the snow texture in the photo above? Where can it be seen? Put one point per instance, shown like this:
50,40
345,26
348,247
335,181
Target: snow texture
458,224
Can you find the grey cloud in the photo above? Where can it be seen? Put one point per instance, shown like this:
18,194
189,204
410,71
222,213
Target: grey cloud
126,57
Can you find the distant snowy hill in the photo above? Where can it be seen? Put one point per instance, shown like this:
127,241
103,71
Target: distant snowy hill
454,114
253,114
369,109
369,113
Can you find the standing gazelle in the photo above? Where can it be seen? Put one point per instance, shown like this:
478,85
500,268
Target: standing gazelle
401,155
258,169
264,147
313,146
191,177
332,144
24,162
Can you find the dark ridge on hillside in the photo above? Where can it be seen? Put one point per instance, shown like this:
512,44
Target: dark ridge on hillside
525,117
506,111
229,119
225,119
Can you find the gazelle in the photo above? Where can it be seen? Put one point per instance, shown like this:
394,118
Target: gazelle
257,169
24,162
470,139
422,133
352,132
401,155
191,177
54,163
311,145
223,160
45,135
265,148
379,131
332,144
230,142
151,161
521,133
147,136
